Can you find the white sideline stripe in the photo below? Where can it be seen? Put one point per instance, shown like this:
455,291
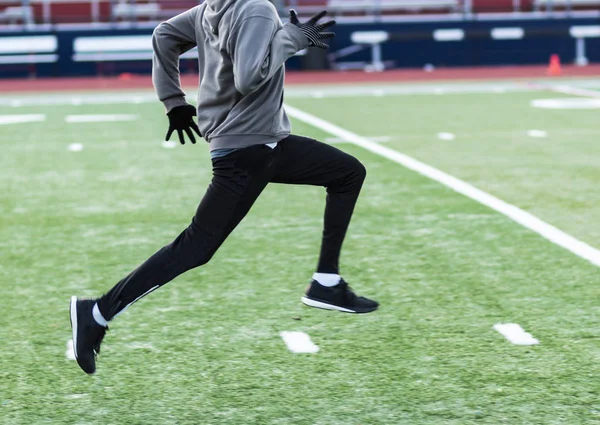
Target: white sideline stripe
515,334
524,218
342,91
99,118
291,92
298,342
70,353
168,144
19,119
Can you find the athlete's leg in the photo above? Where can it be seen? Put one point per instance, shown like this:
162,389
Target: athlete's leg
238,179
307,161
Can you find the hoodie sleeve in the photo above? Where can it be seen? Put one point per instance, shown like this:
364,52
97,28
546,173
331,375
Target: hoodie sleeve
169,41
259,48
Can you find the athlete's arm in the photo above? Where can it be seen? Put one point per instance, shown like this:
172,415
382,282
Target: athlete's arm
170,40
258,48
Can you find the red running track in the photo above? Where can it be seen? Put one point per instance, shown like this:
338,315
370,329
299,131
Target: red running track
128,81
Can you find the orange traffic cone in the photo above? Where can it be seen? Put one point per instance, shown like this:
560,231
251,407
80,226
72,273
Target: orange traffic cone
554,66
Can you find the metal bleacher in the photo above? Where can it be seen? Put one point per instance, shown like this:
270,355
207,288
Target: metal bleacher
15,12
59,12
565,4
389,6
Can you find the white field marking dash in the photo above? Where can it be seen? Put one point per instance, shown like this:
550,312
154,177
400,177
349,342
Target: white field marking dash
446,136
99,118
567,103
298,342
513,212
540,134
75,147
515,334
19,119
70,353
75,396
168,144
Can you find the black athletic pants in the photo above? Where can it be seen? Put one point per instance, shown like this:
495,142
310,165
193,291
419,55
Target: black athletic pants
238,179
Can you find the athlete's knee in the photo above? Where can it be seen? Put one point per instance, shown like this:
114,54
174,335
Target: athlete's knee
350,178
356,173
360,170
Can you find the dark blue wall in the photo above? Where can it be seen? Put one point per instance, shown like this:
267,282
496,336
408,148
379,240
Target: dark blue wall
475,52
409,53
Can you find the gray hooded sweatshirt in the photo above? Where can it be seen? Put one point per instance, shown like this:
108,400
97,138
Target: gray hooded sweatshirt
242,48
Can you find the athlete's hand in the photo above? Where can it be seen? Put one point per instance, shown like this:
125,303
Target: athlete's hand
313,31
181,118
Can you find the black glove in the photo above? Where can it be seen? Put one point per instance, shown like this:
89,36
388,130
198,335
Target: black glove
181,118
312,31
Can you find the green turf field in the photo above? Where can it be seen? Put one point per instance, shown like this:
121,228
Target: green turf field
206,349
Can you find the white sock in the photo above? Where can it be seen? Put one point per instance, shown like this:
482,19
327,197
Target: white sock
98,317
327,279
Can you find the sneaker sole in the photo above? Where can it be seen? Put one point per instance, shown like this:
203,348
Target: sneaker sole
319,304
73,311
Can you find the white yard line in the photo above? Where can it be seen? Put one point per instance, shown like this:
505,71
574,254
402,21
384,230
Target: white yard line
298,342
516,334
524,218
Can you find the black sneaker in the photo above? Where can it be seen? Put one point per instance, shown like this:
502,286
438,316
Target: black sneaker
339,297
87,334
